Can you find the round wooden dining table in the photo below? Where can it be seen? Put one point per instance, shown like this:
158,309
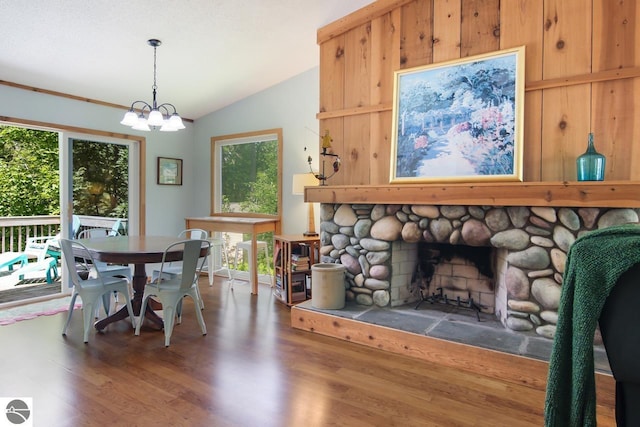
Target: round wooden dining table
139,251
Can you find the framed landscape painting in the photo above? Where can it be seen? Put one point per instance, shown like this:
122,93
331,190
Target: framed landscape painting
459,121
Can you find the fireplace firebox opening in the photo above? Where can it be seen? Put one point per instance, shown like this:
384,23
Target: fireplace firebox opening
457,275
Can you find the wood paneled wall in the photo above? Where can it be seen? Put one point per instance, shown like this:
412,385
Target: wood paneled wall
582,75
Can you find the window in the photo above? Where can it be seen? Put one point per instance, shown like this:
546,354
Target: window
246,180
246,175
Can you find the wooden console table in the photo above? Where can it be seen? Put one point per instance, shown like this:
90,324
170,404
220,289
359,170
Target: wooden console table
240,224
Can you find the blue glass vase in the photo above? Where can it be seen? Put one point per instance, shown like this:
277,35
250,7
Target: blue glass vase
591,164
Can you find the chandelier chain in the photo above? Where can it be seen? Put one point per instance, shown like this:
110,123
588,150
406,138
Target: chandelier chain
155,86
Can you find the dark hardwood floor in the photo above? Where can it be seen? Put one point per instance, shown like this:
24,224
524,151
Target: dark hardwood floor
251,369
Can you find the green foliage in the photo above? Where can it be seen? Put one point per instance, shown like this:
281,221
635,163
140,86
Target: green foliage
100,179
250,176
29,178
263,195
265,266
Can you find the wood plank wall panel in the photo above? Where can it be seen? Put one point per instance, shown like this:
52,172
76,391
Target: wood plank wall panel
521,24
446,30
564,39
480,32
357,152
332,70
416,34
385,60
332,75
611,106
357,138
357,92
566,115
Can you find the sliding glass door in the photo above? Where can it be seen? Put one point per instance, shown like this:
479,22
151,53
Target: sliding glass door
100,182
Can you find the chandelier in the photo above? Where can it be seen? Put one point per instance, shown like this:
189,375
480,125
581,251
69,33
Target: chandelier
163,116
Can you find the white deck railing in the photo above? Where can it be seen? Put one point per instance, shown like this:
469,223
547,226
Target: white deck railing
15,230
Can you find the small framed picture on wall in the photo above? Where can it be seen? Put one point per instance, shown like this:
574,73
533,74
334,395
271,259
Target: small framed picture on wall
169,171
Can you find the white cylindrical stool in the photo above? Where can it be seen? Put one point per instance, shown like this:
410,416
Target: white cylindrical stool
327,286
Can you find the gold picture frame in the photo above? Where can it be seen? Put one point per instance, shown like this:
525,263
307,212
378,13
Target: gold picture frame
169,171
460,120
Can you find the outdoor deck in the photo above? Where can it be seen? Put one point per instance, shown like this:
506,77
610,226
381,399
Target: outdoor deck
14,233
15,291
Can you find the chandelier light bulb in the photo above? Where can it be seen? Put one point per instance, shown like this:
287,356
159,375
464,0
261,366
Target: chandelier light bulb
130,118
141,124
155,118
176,121
167,127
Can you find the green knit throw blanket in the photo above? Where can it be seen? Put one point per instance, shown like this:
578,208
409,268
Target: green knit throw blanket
594,263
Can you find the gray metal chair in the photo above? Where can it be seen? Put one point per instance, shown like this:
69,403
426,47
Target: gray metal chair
92,289
171,289
104,268
174,269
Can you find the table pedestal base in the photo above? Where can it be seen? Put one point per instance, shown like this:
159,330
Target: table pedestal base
123,313
139,282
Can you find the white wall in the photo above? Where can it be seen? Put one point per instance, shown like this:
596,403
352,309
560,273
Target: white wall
292,106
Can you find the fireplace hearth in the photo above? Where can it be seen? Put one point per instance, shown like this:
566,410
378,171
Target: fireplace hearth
447,323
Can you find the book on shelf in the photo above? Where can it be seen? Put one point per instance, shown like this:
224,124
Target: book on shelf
300,262
298,257
303,248
281,283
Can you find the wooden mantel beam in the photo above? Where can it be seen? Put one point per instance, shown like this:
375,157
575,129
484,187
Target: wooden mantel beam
619,194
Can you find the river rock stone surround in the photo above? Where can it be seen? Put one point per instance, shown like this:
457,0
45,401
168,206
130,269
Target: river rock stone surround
531,245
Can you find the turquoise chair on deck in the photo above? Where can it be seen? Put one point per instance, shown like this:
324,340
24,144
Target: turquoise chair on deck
45,250
8,260
38,248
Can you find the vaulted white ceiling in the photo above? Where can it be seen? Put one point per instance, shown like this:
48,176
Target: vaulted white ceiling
213,53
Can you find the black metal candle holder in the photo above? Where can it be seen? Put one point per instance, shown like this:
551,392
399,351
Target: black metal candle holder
335,164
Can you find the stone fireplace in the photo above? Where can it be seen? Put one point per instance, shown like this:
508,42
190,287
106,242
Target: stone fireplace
378,244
